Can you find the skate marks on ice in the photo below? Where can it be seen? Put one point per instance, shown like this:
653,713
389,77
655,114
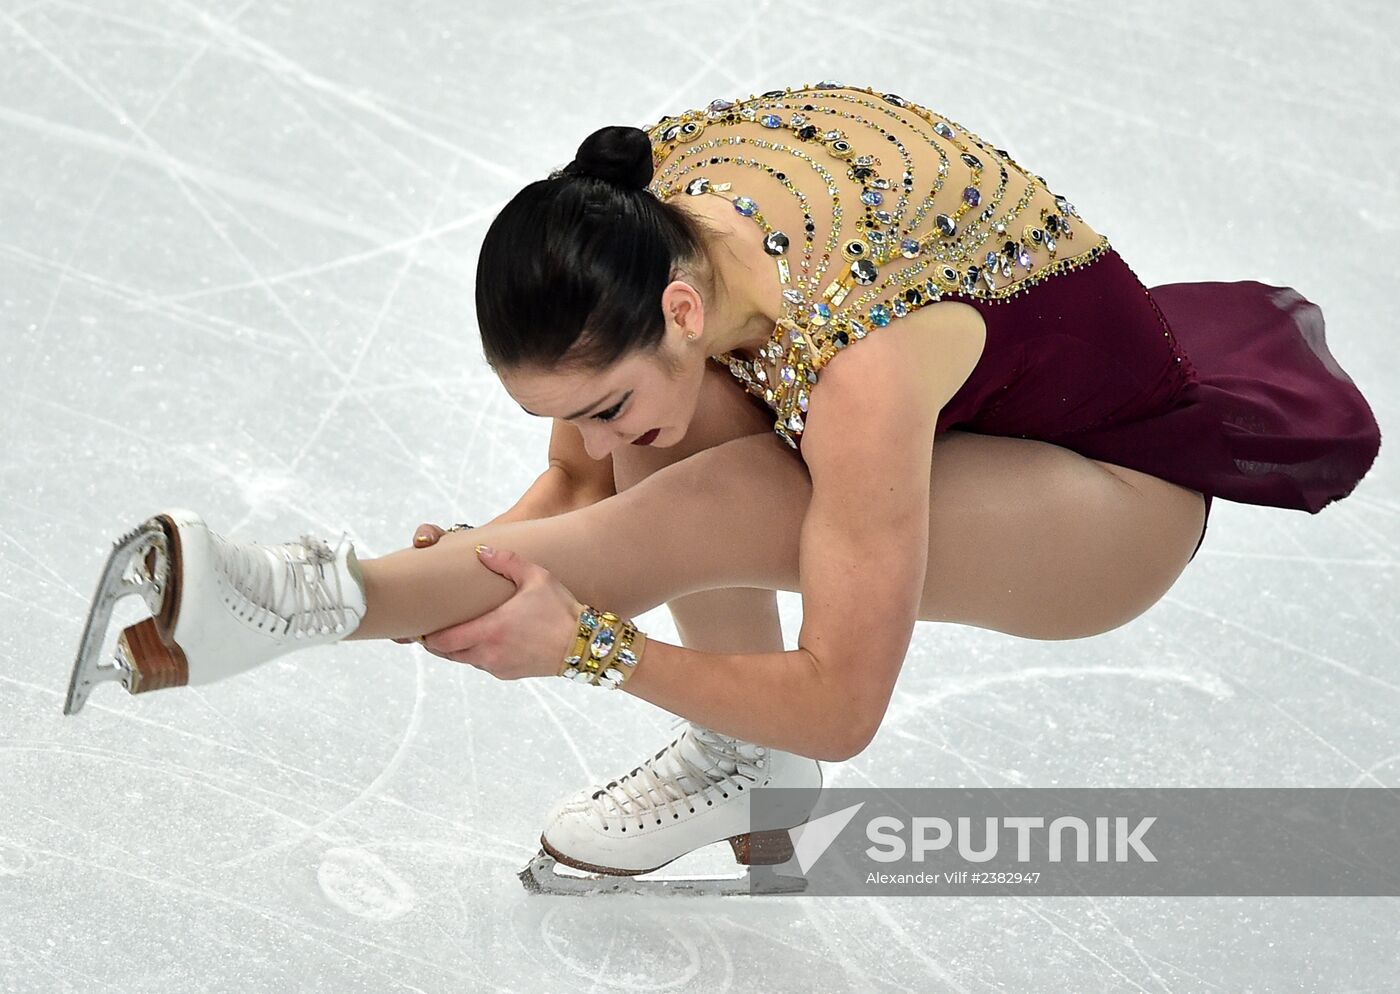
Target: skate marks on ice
15,860
361,884
655,943
910,702
651,945
345,878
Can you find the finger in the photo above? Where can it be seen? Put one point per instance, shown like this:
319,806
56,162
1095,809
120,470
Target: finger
511,565
426,535
463,658
460,638
452,656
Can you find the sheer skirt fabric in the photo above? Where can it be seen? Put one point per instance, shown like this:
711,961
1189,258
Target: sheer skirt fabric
1227,388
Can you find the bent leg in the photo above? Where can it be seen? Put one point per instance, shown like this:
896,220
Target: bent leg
1026,538
1033,539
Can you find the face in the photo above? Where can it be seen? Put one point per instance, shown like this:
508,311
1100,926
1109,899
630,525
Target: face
621,404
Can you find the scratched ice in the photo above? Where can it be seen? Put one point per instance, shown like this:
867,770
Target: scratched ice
236,266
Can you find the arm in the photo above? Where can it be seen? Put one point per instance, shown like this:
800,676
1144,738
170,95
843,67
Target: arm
573,480
553,492
590,480
863,561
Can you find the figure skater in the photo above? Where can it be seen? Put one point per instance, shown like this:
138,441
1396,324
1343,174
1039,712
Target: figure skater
821,340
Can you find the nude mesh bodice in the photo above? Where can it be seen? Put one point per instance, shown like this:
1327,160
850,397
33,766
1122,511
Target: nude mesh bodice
870,207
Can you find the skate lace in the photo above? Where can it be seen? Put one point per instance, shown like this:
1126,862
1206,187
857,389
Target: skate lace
634,794
308,605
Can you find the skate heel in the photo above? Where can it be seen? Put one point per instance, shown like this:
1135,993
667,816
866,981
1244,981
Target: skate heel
151,662
762,848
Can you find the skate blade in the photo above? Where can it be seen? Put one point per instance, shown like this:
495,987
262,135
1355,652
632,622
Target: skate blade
543,875
129,568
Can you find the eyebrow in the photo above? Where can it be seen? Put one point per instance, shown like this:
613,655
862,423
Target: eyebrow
578,414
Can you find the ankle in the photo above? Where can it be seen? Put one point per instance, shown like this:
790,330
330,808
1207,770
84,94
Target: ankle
352,564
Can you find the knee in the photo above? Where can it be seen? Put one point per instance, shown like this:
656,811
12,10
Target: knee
634,463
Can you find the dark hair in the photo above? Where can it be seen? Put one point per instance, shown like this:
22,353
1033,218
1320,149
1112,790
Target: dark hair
572,269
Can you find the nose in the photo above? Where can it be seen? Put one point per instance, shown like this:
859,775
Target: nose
600,444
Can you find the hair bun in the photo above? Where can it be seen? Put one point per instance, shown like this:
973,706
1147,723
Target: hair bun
618,154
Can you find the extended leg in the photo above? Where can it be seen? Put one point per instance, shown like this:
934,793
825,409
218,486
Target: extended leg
1025,537
727,516
714,620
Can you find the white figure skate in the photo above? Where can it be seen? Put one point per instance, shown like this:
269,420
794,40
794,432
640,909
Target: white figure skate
219,607
694,792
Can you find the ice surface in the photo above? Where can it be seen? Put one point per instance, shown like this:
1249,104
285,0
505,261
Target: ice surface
236,260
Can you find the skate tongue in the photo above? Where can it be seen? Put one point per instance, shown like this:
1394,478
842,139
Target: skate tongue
677,781
671,778
709,762
692,748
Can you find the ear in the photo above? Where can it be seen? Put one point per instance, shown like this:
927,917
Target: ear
683,308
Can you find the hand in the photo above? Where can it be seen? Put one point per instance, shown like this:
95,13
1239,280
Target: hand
528,635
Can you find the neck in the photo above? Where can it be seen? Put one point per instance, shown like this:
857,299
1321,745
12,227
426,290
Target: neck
736,321
747,330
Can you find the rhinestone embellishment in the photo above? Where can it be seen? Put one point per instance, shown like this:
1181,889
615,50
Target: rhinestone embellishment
961,226
602,644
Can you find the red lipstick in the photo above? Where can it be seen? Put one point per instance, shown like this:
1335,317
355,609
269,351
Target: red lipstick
648,438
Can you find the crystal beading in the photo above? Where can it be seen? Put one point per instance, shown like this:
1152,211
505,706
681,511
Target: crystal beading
911,262
602,652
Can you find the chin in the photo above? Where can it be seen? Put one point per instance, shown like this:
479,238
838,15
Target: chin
680,432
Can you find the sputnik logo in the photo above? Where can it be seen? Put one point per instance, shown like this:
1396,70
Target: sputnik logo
811,840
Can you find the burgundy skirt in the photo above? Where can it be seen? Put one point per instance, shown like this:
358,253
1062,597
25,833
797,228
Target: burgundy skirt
1226,388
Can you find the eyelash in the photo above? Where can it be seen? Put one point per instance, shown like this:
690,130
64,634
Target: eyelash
611,413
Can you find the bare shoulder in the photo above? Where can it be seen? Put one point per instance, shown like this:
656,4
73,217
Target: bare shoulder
877,401
929,354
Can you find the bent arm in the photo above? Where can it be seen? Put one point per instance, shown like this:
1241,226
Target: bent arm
862,565
775,699
553,492
573,480
862,581
863,560
592,478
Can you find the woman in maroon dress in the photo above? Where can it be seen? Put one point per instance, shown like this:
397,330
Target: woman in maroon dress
821,340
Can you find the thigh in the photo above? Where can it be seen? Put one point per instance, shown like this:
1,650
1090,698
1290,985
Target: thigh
1033,539
1025,537
724,411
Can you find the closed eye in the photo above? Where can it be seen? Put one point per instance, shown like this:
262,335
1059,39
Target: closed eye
610,413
